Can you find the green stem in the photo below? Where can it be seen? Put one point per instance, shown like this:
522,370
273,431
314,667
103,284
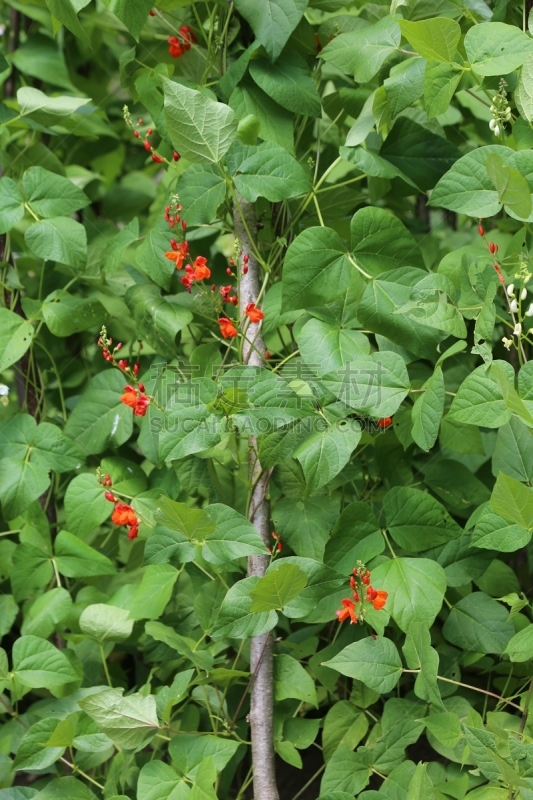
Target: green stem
104,662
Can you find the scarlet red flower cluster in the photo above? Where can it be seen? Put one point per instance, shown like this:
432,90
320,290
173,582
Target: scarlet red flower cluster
278,547
353,608
125,515
179,44
137,399
227,328
227,297
384,423
253,313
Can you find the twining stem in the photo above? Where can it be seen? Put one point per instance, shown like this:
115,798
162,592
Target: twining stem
475,689
261,716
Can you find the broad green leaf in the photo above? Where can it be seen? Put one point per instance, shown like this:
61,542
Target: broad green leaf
275,123
480,624
47,109
195,523
289,83
133,13
129,721
433,38
416,520
363,52
16,335
158,781
32,752
445,727
151,258
374,385
374,662
418,153
182,644
158,318
188,752
236,619
68,788
356,537
494,532
523,95
233,537
404,85
314,601
416,589
65,12
277,588
32,569
520,646
66,314
512,187
51,195
427,411
316,269
325,347
271,172
291,679
494,48
119,244
513,501
420,785
11,205
200,128
8,613
325,453
154,591
440,82
76,559
480,401
59,239
202,190
305,524
513,453
21,482
100,420
346,774
420,655
46,612
38,664
106,623
42,58
272,21
85,505
381,242
343,724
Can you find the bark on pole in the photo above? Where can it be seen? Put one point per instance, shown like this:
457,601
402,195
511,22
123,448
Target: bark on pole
261,647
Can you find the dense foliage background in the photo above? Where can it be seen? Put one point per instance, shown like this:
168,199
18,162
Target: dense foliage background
376,162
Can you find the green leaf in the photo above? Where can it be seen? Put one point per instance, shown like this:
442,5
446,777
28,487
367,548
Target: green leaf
419,154
154,591
68,788
346,774
363,52
380,241
100,420
65,13
151,258
480,624
523,95
494,48
51,195
305,524
272,21
195,523
513,501
512,187
11,205
59,239
158,319
275,123
85,505
128,721
433,38
344,724
494,532
315,601
38,664
427,411
200,128
520,646
66,314
41,58
32,752
32,569
420,655
323,454
374,662
46,612
445,727
236,619
47,109
416,520
513,453
440,82
234,536
133,13
106,623
277,588
416,589
158,781
202,190
356,537
75,559
189,751
479,401
289,83
316,269
8,613
21,482
16,335
420,785
271,172
325,347
404,85
291,679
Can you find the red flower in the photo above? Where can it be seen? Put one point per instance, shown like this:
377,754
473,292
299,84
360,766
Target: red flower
384,423
227,328
254,314
176,48
135,399
124,515
188,36
178,253
348,611
378,597
201,270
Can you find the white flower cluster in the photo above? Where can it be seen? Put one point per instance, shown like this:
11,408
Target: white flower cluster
500,110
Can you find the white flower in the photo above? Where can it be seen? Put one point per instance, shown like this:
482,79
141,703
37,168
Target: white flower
510,290
523,294
513,306
529,312
496,130
493,124
4,390
517,329
507,343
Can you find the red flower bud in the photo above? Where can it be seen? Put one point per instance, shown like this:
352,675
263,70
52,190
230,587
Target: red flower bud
149,132
136,134
122,364
178,218
147,145
228,271
140,121
245,269
152,13
245,258
119,346
214,287
174,244
268,355
176,156
136,368
231,262
157,159
111,497
493,248
141,387
481,230
183,224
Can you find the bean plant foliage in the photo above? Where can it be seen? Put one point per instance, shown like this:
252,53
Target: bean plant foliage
266,449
